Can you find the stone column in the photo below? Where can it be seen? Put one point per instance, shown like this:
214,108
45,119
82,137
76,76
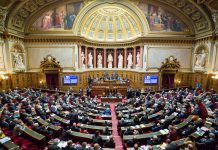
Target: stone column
125,51
86,56
115,58
134,57
94,49
105,58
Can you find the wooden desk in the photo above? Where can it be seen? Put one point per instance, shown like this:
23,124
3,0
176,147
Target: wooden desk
141,136
106,117
141,126
93,127
184,123
33,134
111,99
88,136
158,133
10,145
50,126
60,119
100,87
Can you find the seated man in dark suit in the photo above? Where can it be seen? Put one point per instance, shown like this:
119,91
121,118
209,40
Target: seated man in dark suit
109,143
97,138
154,140
54,146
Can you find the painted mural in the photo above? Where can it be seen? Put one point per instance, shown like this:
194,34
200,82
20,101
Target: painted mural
161,20
60,18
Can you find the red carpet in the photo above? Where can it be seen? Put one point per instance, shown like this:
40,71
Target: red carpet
116,137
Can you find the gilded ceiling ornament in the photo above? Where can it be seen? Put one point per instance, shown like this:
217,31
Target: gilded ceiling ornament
215,17
40,2
30,6
196,16
86,2
3,14
136,2
181,3
23,13
18,21
189,9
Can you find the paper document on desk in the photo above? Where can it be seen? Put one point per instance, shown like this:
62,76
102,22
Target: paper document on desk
5,139
142,125
164,132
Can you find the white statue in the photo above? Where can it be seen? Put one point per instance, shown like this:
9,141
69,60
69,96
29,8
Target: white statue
82,60
99,60
110,60
120,61
129,58
90,64
200,60
18,62
138,59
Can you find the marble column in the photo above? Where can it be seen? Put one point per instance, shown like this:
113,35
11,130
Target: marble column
115,58
94,49
79,56
86,56
134,57
125,51
105,58
76,56
142,54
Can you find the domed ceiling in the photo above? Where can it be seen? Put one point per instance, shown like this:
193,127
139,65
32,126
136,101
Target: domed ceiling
111,23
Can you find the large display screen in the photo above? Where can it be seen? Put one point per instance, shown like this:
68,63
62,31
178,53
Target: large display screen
71,79
151,79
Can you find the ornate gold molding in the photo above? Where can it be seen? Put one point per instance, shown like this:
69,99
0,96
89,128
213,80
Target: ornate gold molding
171,64
135,42
50,64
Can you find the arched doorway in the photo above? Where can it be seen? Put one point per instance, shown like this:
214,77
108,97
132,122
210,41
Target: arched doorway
168,72
51,68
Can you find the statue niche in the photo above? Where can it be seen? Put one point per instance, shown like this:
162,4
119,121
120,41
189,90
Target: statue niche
200,58
17,55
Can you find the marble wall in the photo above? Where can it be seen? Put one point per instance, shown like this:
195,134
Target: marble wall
65,54
157,54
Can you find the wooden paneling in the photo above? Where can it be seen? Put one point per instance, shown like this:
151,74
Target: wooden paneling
36,80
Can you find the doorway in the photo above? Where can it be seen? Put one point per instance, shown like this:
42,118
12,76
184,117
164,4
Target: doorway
52,80
168,81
